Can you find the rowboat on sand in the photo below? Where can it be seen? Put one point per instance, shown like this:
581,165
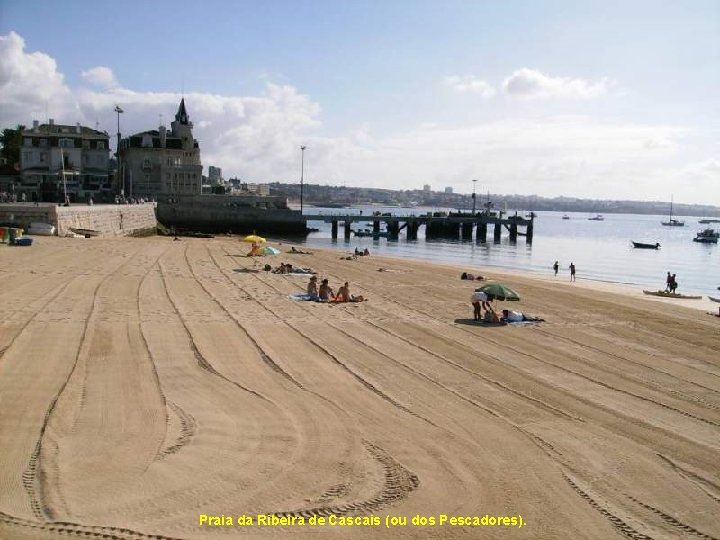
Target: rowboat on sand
672,295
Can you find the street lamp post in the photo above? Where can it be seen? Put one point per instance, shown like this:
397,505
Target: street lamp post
118,110
302,174
473,195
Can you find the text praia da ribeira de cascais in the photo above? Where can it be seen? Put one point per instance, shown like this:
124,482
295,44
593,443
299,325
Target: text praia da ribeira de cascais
389,521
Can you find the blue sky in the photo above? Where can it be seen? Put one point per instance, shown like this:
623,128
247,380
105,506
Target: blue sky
589,99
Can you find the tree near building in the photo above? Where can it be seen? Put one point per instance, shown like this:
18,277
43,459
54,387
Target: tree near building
11,141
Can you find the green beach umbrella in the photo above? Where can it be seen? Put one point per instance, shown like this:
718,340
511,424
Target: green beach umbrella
499,291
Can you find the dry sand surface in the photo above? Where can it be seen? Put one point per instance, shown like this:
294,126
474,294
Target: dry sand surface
145,382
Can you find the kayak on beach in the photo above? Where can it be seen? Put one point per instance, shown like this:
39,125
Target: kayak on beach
672,295
87,233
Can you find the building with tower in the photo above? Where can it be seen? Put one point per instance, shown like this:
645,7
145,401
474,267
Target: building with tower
158,163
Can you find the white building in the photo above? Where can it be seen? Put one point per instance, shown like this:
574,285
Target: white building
56,160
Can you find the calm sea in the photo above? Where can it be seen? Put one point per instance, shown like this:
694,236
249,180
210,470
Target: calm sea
601,250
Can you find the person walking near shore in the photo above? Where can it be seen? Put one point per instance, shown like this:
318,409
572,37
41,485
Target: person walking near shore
556,267
668,282
572,271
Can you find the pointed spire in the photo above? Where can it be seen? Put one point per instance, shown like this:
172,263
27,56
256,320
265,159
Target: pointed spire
181,115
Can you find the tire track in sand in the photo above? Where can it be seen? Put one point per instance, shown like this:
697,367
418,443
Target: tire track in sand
675,523
269,361
33,487
77,529
364,382
201,360
398,483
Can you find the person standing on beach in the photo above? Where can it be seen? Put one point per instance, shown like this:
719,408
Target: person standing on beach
673,284
668,282
556,267
572,271
476,298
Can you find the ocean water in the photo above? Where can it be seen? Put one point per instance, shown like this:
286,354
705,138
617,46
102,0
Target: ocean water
601,250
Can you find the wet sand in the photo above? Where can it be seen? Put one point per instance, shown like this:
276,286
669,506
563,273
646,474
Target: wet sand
146,382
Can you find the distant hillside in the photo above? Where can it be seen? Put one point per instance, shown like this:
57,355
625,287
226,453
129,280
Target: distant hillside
338,195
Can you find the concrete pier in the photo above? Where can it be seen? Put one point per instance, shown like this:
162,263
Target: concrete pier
453,226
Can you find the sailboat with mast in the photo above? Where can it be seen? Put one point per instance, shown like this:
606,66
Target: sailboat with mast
673,222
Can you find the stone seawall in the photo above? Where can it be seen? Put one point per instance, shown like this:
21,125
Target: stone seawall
109,220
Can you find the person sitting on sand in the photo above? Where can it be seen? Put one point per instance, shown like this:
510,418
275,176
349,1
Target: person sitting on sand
255,251
465,275
343,295
358,252
312,289
366,252
325,292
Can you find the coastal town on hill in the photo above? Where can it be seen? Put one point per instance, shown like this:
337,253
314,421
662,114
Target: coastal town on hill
53,162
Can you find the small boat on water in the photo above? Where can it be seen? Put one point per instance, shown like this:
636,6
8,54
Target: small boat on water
666,294
596,218
707,221
640,245
707,236
368,233
565,216
673,222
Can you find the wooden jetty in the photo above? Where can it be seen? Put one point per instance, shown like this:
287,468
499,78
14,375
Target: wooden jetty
437,225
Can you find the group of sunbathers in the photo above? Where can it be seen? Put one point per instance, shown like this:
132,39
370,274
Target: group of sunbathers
324,293
287,268
481,300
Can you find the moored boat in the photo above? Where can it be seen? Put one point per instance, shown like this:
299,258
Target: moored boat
707,236
596,218
706,221
41,229
641,245
673,222
369,233
666,294
565,216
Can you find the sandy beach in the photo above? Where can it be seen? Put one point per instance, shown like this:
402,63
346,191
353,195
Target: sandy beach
146,383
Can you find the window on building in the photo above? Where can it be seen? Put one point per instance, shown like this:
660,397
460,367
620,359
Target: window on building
27,141
86,144
43,142
43,157
101,145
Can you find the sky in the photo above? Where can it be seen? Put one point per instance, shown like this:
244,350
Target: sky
592,99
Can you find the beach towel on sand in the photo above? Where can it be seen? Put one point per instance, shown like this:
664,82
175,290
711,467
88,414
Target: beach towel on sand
299,297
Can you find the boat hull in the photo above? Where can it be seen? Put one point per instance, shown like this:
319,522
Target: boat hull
672,295
640,245
706,240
